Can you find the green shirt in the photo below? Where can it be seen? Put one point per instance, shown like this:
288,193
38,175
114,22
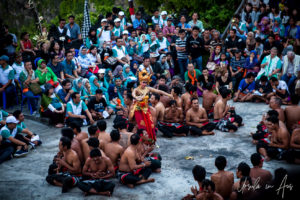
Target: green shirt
186,76
21,125
8,133
70,109
3,114
45,77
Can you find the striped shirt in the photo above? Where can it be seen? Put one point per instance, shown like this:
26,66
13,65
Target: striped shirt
181,43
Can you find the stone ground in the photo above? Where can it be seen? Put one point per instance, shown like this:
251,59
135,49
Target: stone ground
24,178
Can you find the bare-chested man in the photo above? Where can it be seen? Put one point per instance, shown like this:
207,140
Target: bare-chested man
261,176
243,169
114,150
97,167
208,191
128,100
293,155
279,140
173,122
131,173
223,179
199,174
153,113
103,137
221,110
176,92
275,104
191,91
159,106
76,146
86,147
79,135
67,167
125,135
196,118
165,100
292,113
209,99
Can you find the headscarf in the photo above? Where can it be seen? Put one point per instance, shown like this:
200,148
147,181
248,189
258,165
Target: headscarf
80,52
249,65
84,81
164,65
264,28
106,76
116,72
93,86
75,87
111,92
125,74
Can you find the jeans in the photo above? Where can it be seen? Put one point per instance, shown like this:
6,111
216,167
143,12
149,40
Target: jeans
30,97
10,92
182,66
6,151
198,62
290,81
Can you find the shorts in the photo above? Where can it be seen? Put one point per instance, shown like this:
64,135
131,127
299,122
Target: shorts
169,128
272,152
134,177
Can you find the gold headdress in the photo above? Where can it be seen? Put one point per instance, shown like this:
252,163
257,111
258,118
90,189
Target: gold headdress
144,76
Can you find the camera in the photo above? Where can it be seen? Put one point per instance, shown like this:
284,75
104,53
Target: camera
106,27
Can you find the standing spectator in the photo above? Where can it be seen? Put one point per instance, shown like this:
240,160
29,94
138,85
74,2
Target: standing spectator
237,64
27,77
117,30
69,68
139,22
74,29
195,47
169,30
156,17
7,76
104,33
26,46
123,20
233,42
163,19
164,45
216,40
183,25
92,39
293,31
12,42
63,33
182,55
196,22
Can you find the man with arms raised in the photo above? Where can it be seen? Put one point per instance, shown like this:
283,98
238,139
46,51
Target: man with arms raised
173,122
131,173
196,118
223,180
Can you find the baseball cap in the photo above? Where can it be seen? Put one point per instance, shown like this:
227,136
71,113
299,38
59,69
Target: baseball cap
121,13
4,57
170,19
125,32
11,119
164,13
117,20
101,71
104,20
154,55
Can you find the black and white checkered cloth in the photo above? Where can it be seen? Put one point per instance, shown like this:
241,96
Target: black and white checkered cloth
86,21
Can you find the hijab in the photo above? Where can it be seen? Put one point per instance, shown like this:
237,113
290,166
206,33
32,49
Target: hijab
75,85
93,86
111,92
80,52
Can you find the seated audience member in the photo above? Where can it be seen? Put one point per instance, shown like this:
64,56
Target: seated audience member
275,104
131,173
262,89
77,86
209,99
85,63
246,88
6,150
27,80
46,75
172,125
199,174
289,69
56,67
103,136
65,93
197,119
192,75
261,176
18,67
279,140
77,111
66,169
113,149
223,180
280,89
7,75
209,192
97,106
225,117
52,107
204,79
11,135
224,80
69,68
3,114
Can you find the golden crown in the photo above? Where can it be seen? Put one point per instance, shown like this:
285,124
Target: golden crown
144,76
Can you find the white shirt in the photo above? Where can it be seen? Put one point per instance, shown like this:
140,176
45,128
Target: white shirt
18,69
61,30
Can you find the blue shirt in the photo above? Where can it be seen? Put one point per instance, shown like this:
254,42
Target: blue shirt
62,95
56,69
68,68
137,23
244,88
74,31
186,25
